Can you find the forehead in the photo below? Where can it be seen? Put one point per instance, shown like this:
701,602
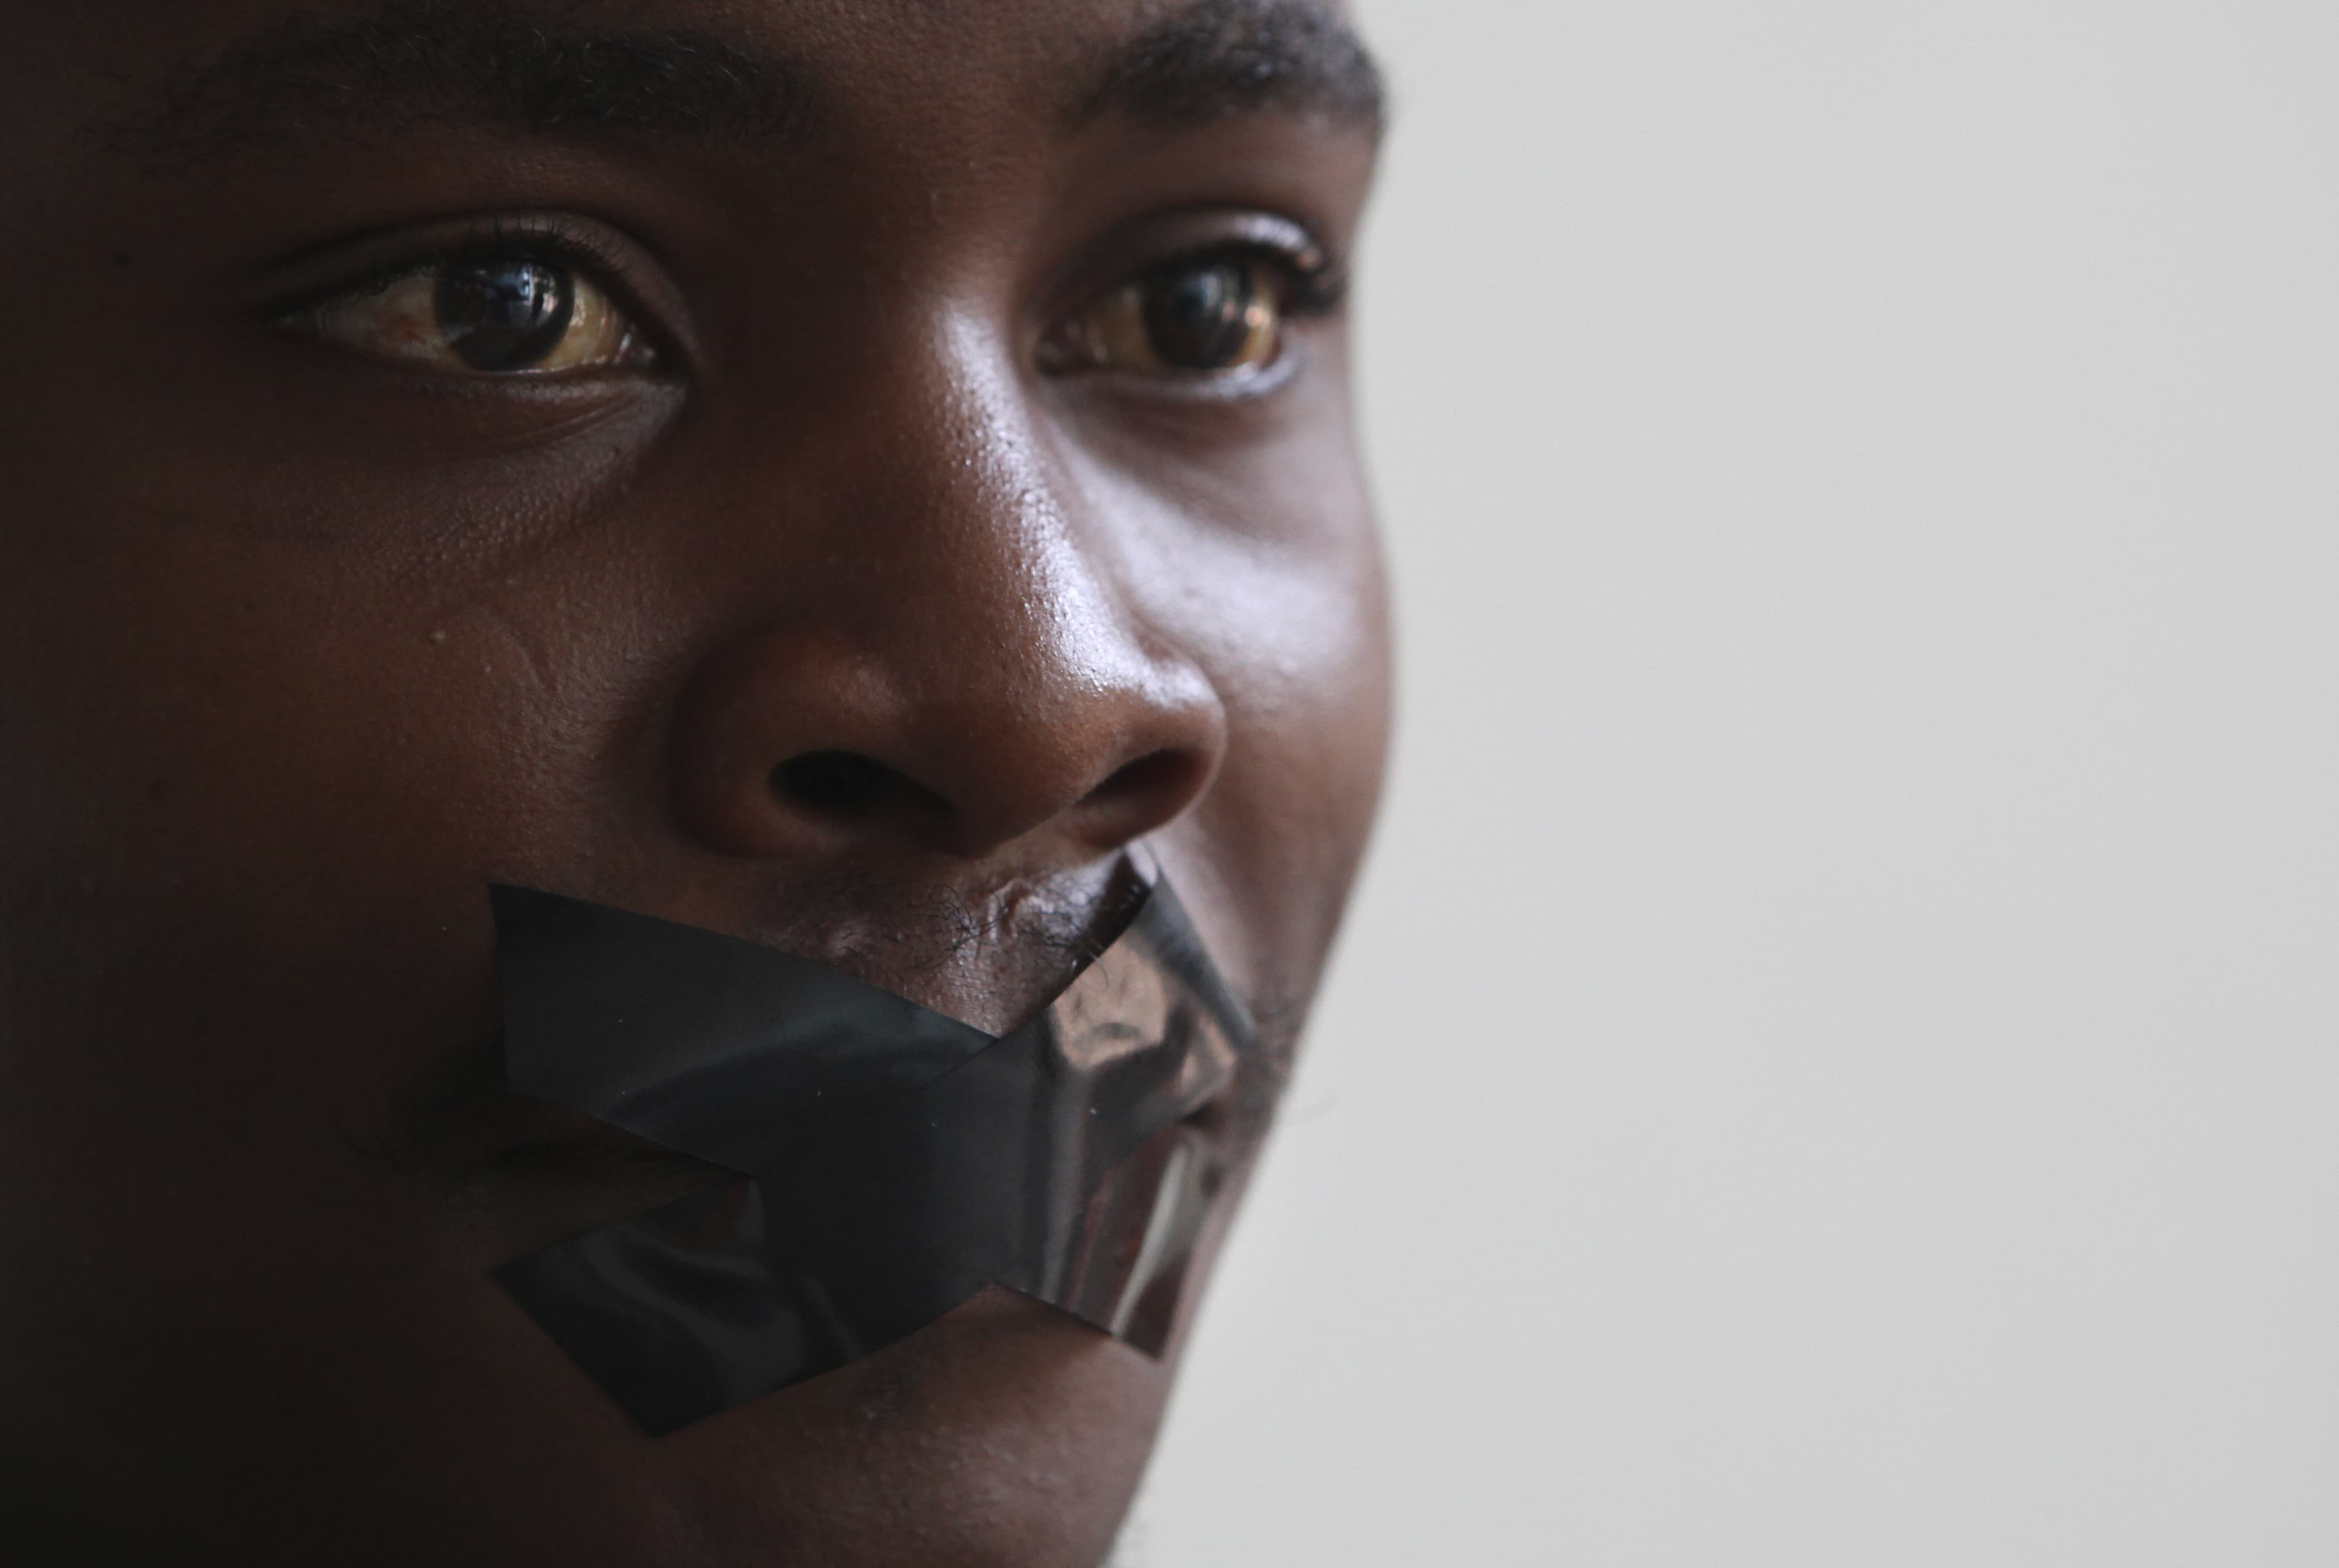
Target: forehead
190,82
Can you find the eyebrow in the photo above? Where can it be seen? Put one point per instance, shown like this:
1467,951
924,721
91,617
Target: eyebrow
1218,58
416,63
507,65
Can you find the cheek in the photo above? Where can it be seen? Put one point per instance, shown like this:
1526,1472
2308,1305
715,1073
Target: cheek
1300,657
1261,559
244,815
249,801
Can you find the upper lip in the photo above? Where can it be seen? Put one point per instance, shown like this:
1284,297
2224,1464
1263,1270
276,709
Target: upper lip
989,956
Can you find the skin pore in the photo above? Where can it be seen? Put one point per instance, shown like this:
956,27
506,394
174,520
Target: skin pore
834,472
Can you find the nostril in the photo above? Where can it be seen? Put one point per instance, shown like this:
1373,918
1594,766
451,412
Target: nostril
837,784
1151,772
1160,783
849,786
855,791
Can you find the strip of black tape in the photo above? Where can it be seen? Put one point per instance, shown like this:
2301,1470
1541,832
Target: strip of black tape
893,1162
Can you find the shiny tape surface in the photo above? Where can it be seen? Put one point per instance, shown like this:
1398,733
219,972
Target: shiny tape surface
894,1162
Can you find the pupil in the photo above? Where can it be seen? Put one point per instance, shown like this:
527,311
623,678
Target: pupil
504,315
1198,318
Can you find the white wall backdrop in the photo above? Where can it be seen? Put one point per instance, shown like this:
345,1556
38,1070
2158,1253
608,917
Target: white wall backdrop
1837,1060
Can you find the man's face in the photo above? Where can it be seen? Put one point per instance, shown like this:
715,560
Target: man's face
830,471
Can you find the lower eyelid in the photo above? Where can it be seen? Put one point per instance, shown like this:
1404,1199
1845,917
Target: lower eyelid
1203,387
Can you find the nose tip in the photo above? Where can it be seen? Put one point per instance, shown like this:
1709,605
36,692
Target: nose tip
954,660
796,747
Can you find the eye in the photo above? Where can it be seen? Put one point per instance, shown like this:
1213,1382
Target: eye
495,316
1210,315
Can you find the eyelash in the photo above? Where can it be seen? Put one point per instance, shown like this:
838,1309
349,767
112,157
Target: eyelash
500,240
1316,284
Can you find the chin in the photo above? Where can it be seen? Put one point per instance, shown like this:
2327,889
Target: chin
1008,1434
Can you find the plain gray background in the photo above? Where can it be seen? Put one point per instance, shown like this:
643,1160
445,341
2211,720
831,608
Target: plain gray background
1835,1062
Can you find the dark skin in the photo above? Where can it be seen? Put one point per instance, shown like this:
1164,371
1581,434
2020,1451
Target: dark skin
860,571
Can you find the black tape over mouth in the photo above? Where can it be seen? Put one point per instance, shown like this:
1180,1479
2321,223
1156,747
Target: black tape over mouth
894,1162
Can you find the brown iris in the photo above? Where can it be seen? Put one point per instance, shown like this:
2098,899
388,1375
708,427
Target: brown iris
1210,316
503,316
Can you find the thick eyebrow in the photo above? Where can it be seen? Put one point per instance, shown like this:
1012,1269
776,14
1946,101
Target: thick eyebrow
508,64
1218,58
421,62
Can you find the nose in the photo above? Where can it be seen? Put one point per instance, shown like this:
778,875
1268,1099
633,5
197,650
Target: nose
950,666
944,736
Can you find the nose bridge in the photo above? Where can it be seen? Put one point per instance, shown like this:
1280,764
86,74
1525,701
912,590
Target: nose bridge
999,561
970,668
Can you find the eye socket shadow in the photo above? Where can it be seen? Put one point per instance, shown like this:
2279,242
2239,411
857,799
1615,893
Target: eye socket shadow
892,1163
